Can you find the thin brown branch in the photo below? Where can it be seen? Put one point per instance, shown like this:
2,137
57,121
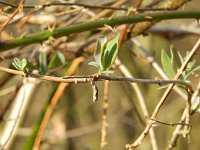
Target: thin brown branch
166,4
89,78
17,10
169,124
156,66
123,34
151,60
57,3
177,131
105,12
105,115
140,97
164,97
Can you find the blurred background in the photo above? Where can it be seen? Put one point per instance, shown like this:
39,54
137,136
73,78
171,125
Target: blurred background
76,121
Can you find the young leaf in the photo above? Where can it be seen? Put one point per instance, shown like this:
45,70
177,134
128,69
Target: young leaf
94,63
105,72
99,49
20,64
105,54
110,53
191,71
24,63
16,63
167,66
172,54
191,64
57,59
105,63
180,57
43,63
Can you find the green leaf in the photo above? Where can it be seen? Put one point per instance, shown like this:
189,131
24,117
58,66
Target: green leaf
99,49
172,54
105,53
180,57
167,66
20,64
16,63
57,59
191,64
110,53
105,62
191,71
105,72
94,63
24,62
43,63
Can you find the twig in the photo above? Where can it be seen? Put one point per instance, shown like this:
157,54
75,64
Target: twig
39,37
57,3
105,12
140,97
88,78
187,116
18,9
49,4
151,60
104,116
164,97
125,30
156,66
136,5
55,99
169,124
176,132
167,4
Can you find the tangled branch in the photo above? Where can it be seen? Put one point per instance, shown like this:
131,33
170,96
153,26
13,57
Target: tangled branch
39,37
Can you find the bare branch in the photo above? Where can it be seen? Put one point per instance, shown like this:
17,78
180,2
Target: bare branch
19,8
163,99
89,78
57,3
